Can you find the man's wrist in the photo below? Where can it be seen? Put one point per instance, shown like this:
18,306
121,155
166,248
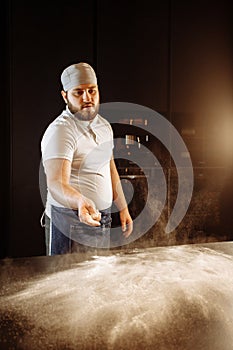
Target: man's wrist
124,210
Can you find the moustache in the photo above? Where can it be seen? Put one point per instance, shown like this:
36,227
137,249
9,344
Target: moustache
86,105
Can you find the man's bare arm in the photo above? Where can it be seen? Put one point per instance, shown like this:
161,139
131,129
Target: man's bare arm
58,177
119,200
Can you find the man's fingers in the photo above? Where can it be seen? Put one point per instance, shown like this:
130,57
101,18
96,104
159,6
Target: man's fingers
86,218
127,229
96,216
91,221
91,208
90,215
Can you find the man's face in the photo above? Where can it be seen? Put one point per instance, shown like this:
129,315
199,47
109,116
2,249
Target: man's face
83,101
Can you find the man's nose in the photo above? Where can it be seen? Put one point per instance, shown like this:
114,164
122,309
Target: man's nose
86,95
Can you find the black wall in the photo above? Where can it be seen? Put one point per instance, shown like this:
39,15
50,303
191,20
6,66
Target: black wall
174,57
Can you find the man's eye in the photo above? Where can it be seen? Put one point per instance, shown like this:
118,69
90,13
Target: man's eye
79,93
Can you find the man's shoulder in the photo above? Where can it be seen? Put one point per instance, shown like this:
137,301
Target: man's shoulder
63,121
63,124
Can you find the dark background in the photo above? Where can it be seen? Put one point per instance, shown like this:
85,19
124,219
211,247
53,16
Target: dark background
172,56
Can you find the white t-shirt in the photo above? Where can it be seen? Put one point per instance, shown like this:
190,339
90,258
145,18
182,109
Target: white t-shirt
89,146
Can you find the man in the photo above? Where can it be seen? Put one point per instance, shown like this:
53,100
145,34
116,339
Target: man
82,179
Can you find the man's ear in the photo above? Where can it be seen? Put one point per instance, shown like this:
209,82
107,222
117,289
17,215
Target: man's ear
63,93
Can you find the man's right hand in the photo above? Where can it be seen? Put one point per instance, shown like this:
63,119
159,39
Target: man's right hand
88,214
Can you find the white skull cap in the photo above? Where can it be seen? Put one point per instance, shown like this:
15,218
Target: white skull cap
77,74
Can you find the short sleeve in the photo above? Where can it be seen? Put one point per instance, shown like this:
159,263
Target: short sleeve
58,142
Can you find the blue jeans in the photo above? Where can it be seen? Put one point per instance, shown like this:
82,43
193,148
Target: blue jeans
67,232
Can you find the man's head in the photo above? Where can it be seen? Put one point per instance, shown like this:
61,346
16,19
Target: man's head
80,90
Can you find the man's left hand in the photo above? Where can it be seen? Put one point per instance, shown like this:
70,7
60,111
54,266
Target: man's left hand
126,222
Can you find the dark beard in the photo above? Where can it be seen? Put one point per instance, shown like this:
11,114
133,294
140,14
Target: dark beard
84,114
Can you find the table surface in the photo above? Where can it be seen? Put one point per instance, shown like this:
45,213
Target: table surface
176,297
40,264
